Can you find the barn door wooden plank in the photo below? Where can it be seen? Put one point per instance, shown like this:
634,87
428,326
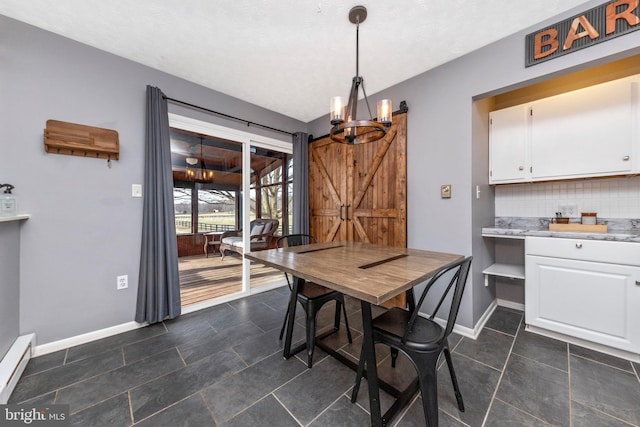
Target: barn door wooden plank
365,185
327,191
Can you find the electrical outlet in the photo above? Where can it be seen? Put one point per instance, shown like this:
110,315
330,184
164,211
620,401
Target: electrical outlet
122,282
568,211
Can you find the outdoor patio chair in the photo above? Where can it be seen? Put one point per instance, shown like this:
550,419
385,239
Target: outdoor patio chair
262,230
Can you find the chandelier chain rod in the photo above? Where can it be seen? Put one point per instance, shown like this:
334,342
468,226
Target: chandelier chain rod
358,47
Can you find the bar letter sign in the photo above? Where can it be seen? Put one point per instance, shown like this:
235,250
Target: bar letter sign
596,25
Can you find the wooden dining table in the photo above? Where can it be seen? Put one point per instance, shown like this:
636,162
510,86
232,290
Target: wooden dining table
370,273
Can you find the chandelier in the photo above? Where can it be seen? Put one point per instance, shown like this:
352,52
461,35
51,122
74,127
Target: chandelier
201,173
346,127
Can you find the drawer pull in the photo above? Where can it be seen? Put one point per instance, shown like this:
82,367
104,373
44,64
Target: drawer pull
625,158
579,245
637,282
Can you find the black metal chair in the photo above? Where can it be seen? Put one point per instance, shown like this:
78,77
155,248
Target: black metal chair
312,297
423,340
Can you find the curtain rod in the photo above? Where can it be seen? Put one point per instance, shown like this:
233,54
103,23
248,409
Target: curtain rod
227,116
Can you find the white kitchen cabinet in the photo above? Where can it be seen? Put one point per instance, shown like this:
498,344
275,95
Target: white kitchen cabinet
585,289
584,133
508,150
587,132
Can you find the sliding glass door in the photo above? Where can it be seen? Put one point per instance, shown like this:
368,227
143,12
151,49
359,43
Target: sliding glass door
224,179
271,186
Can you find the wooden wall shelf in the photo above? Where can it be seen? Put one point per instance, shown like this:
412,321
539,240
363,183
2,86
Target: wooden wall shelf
80,140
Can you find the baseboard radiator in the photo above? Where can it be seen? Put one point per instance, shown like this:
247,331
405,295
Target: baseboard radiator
13,364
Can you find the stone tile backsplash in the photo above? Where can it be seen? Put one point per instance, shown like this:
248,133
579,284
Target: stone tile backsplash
608,197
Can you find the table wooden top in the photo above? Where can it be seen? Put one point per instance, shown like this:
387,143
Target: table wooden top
368,272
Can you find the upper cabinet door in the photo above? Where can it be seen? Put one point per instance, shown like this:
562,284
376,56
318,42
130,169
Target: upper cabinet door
587,132
508,145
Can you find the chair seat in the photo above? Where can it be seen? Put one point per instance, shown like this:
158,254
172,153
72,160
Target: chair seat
310,290
426,335
235,241
312,297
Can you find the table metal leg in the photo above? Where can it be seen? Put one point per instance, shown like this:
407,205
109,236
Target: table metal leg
293,302
369,354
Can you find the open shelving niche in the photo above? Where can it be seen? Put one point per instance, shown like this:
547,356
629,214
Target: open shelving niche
501,269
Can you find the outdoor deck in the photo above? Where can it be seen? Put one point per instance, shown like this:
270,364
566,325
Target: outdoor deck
203,278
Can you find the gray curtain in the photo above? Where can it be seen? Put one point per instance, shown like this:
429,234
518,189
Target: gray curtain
159,285
300,183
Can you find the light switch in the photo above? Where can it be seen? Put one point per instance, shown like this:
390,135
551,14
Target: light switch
136,190
445,191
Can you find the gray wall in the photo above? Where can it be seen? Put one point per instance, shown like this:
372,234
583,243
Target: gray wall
85,226
443,147
9,283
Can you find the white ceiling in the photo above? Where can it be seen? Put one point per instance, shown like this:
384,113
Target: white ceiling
289,56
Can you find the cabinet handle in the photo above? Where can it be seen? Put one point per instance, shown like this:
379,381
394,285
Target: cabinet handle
637,282
625,158
579,245
521,168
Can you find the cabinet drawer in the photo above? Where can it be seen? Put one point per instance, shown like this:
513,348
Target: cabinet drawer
624,253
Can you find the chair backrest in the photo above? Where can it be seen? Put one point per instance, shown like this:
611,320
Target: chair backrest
270,225
295,240
457,282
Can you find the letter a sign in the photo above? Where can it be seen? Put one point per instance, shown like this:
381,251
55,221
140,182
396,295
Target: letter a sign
596,25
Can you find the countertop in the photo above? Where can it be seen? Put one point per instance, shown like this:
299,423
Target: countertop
619,230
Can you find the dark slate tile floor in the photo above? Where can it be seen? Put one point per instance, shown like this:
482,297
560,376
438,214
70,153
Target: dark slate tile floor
223,366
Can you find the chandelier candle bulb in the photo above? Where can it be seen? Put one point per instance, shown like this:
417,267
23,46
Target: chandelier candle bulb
337,110
384,111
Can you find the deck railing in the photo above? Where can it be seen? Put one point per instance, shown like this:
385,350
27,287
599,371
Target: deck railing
203,227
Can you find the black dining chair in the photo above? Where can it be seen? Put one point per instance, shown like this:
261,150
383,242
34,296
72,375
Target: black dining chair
421,339
312,297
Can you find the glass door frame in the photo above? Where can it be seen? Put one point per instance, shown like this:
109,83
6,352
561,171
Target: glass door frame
247,139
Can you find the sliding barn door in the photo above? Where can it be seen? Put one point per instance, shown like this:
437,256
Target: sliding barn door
359,192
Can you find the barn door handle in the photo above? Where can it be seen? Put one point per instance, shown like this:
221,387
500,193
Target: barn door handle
341,218
347,209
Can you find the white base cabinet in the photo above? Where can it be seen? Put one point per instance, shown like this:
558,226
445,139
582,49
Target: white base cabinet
585,289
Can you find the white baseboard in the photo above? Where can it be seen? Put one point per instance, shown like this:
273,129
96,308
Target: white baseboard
510,304
85,338
623,354
463,330
13,364
484,319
